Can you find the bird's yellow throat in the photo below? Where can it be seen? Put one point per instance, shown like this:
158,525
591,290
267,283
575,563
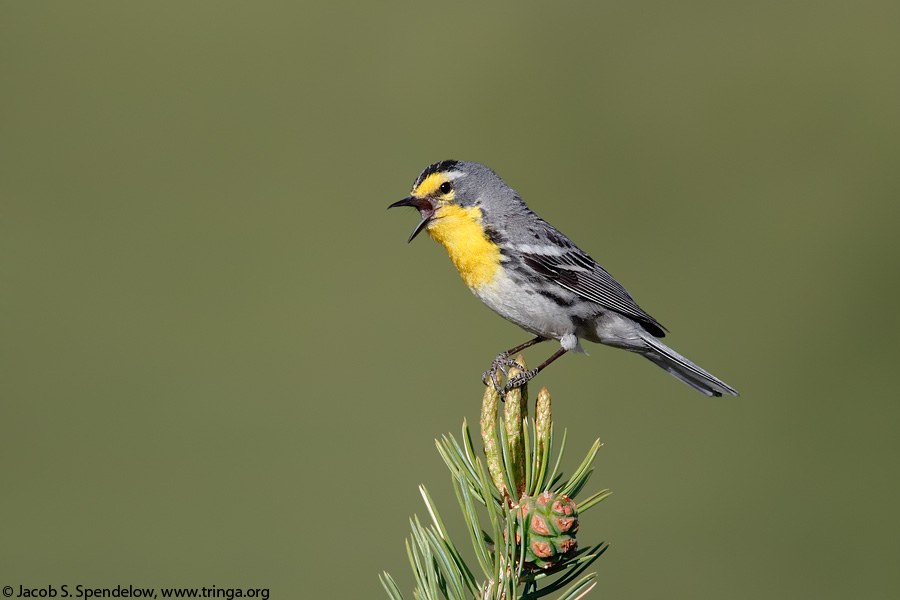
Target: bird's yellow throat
460,231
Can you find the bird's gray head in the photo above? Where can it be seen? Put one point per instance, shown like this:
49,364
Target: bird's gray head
459,183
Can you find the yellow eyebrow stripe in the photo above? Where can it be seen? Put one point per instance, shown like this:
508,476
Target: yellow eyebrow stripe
430,184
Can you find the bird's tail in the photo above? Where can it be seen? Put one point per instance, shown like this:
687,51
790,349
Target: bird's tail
680,367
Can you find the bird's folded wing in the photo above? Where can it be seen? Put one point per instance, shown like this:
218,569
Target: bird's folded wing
580,274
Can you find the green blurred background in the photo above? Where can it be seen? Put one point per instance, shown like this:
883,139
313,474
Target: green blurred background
221,364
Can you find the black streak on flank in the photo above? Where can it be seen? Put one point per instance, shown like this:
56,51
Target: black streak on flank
557,298
494,236
510,259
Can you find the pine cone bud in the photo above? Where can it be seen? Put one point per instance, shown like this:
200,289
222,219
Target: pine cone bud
489,437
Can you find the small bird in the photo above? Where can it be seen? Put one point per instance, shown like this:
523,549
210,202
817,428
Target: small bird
531,274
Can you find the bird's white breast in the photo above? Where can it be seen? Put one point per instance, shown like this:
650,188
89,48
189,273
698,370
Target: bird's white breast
530,311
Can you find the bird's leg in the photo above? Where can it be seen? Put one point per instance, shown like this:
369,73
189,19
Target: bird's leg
523,378
504,361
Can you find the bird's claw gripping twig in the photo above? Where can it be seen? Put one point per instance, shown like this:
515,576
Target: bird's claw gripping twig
502,362
518,381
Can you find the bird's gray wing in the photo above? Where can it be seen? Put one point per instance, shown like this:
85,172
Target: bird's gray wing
577,272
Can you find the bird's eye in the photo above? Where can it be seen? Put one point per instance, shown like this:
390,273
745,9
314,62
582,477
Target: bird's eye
446,187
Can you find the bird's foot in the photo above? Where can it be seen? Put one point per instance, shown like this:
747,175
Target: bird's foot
518,381
502,363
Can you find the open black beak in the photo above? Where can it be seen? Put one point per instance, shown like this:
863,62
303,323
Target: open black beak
426,210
